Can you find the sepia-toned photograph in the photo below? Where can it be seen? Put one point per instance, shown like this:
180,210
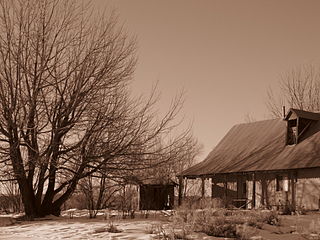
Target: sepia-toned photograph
160,119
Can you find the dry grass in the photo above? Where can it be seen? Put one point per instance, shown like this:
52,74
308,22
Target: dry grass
311,231
111,228
100,230
6,221
165,233
220,222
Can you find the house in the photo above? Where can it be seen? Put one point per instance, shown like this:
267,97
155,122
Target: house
271,163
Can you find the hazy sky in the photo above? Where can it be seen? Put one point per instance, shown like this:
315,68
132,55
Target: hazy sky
224,54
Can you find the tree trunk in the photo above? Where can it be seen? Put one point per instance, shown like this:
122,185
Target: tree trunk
28,199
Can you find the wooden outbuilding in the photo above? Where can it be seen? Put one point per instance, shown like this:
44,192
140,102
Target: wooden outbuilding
157,195
271,163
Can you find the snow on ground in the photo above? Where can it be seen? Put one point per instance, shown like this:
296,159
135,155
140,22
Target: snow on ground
75,224
140,228
75,230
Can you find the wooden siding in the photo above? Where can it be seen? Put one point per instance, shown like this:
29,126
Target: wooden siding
271,193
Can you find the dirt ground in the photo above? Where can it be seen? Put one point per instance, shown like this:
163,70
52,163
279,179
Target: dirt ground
81,227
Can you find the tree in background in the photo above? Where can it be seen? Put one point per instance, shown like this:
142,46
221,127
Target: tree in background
299,88
99,193
180,156
10,200
66,109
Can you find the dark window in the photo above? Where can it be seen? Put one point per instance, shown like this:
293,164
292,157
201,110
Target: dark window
292,136
292,132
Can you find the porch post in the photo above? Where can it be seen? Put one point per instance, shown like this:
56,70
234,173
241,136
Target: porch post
202,187
180,190
226,191
213,185
253,191
263,190
293,191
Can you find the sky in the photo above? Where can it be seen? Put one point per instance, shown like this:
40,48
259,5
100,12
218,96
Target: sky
224,54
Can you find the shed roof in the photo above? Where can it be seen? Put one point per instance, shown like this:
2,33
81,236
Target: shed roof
149,181
260,146
158,182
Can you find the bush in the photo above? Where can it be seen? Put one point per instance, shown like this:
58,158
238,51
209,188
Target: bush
219,227
271,218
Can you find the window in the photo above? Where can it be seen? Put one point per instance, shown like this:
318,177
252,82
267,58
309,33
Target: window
292,132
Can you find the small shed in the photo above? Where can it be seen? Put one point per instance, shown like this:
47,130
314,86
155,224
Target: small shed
157,195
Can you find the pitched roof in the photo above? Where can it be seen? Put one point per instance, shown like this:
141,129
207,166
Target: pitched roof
260,146
302,114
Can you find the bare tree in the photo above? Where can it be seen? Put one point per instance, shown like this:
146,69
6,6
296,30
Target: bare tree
181,155
99,192
248,118
66,110
299,88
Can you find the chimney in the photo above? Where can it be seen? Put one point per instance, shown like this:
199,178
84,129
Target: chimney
284,111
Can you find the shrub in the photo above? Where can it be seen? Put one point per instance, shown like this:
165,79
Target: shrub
288,209
154,229
219,227
113,228
271,218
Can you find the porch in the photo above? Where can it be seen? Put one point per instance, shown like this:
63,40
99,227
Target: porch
260,189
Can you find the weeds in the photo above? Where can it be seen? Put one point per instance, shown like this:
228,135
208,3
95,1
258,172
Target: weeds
229,227
168,234
100,230
113,228
311,232
217,222
224,223
154,229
